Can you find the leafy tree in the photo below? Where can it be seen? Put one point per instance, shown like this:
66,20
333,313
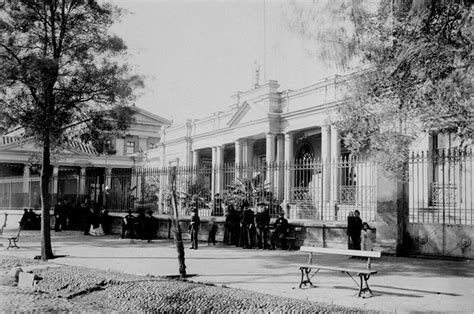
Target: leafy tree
59,72
417,73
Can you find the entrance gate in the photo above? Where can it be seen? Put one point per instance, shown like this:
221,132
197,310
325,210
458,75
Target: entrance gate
441,218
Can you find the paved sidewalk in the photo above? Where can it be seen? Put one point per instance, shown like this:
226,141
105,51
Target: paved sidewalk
402,284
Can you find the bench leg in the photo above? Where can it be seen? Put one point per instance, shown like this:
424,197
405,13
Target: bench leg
12,243
306,271
363,281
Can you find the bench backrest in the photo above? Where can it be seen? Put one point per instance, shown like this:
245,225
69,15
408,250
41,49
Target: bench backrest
321,250
311,249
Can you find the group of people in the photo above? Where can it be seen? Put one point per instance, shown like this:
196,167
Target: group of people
30,220
358,233
245,228
142,226
95,219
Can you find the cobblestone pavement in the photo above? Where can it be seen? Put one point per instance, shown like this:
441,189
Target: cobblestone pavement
13,298
69,288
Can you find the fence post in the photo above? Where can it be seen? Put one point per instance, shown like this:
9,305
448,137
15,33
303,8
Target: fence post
391,212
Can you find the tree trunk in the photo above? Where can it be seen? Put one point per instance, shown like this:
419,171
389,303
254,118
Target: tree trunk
178,239
46,250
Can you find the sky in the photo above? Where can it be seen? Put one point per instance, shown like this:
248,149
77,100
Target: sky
194,55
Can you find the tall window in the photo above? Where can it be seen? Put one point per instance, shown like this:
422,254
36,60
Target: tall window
130,148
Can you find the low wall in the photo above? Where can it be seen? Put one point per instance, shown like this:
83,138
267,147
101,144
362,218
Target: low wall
439,240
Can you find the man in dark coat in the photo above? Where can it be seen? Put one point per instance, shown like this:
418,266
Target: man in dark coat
262,221
128,225
59,212
194,228
281,231
248,227
354,228
151,226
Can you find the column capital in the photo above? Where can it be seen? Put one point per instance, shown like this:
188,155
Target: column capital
270,134
289,135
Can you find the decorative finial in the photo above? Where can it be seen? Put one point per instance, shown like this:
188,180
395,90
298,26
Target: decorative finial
257,74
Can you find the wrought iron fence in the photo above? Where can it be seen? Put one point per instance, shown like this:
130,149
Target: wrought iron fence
312,189
441,187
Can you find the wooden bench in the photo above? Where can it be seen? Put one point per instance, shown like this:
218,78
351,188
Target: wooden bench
363,273
14,239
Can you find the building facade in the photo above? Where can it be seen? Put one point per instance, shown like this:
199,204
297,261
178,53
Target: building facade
288,139
79,172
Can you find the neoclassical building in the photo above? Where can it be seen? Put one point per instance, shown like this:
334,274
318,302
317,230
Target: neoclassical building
287,140
268,126
79,171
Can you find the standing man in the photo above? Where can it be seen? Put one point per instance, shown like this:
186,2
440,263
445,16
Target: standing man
194,228
59,215
248,227
262,220
281,230
354,230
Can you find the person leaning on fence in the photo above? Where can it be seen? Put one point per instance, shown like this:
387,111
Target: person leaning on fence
228,224
151,226
194,228
236,226
350,222
248,227
59,212
366,237
354,230
212,232
139,225
262,221
127,225
280,232
24,224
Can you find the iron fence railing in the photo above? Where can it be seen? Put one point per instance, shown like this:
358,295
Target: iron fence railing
441,187
311,188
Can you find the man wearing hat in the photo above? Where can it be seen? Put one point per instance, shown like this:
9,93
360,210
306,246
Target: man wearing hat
281,230
194,228
247,233
262,220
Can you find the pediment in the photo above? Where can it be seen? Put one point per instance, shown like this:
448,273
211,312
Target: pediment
22,146
146,117
247,112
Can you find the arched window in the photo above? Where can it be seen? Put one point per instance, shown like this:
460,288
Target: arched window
304,158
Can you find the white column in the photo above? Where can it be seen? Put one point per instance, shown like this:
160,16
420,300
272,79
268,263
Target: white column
220,174
249,153
55,184
189,152
26,179
280,165
26,186
270,147
288,156
326,158
108,187
238,152
335,158
108,177
214,171
270,158
82,181
238,158
195,158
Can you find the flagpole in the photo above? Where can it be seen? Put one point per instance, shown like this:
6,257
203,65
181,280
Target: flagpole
264,43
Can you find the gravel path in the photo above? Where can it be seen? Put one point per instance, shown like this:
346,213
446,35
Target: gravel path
83,289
